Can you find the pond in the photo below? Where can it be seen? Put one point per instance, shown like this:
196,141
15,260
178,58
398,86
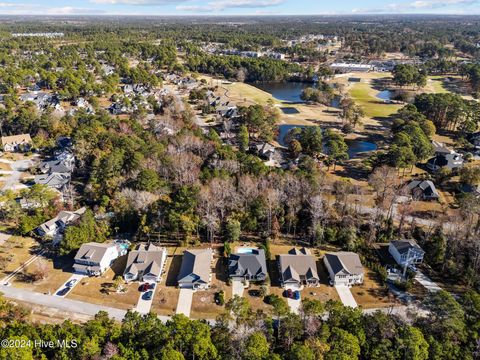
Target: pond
290,91
385,95
284,91
289,110
354,146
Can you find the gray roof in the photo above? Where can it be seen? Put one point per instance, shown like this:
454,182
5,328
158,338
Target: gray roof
248,264
56,180
402,246
195,267
92,252
298,265
427,188
347,262
145,258
55,166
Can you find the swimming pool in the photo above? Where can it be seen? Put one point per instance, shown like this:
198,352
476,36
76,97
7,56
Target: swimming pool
245,250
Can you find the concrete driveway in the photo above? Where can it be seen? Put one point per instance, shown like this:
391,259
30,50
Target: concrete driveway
143,305
346,296
427,282
77,277
184,304
237,288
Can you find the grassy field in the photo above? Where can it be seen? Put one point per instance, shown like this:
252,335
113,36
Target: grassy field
365,96
14,252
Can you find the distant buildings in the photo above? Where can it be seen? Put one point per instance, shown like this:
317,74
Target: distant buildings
346,68
344,268
40,34
22,142
406,252
57,225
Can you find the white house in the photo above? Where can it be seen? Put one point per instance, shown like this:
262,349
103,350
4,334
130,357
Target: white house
345,268
21,142
93,259
404,251
58,223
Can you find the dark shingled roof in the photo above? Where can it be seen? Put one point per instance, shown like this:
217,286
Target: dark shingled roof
347,262
402,246
252,264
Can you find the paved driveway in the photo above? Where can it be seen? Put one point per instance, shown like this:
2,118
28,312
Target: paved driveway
346,296
237,288
77,277
184,302
143,305
427,282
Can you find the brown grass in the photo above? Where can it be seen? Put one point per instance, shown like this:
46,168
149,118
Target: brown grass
15,252
98,290
371,294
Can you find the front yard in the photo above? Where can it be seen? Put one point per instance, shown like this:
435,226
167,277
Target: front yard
14,252
100,290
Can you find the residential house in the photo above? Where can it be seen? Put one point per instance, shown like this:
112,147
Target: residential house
56,166
265,150
406,251
22,142
58,181
423,190
196,268
451,161
248,266
59,223
346,68
145,263
344,268
298,268
471,189
93,259
475,139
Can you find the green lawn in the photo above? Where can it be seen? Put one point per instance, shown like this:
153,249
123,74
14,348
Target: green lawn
364,95
437,84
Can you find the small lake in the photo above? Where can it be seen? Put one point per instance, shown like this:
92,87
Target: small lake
385,95
290,91
289,110
354,146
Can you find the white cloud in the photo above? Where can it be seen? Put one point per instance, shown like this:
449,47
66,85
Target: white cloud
220,5
418,6
137,2
10,8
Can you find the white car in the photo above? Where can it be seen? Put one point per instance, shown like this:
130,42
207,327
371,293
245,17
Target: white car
71,283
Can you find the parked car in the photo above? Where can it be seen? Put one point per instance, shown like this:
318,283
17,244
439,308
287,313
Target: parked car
148,295
63,292
71,283
151,286
296,295
288,293
144,287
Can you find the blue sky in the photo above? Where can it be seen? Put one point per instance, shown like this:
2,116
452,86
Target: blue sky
236,7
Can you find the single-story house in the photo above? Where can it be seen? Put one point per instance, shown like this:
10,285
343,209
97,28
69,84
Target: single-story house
248,266
423,190
451,161
344,268
58,223
93,259
22,142
298,268
265,150
145,263
196,268
404,251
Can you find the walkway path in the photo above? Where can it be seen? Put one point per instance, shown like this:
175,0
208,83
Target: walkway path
237,288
